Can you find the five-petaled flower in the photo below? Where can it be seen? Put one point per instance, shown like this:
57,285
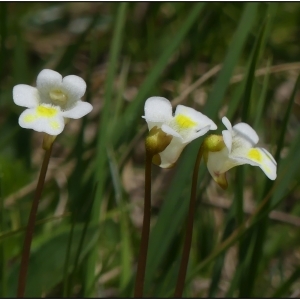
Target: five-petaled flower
236,147
186,125
54,99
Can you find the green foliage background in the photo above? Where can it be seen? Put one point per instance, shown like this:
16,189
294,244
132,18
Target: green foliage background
241,60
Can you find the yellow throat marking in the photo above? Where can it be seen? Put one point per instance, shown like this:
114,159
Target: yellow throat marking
185,122
255,155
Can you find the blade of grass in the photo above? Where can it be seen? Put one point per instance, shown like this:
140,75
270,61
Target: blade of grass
101,159
65,62
218,266
3,271
262,98
126,253
134,110
81,241
239,191
215,97
3,34
282,290
259,232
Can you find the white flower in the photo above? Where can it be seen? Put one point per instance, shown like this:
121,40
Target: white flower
54,99
186,125
239,150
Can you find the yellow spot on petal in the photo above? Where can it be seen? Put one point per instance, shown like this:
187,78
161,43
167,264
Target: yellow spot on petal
46,112
29,118
185,122
54,124
255,155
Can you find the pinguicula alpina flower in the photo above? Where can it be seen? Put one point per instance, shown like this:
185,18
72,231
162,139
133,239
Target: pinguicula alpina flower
54,99
175,131
236,147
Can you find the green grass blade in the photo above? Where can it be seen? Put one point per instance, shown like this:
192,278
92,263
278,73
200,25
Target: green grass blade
2,244
262,98
101,159
215,98
261,228
3,35
218,266
282,290
126,253
285,121
134,110
65,62
239,198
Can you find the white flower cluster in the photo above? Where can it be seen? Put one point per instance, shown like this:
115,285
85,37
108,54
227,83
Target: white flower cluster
188,124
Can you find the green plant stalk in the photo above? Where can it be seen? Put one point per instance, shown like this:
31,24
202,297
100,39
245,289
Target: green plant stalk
141,268
189,229
2,247
31,224
67,260
102,140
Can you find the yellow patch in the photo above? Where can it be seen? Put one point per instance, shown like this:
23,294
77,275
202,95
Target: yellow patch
46,112
54,125
255,155
185,122
29,118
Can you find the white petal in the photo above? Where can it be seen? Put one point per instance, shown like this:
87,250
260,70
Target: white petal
81,109
167,129
171,154
227,123
200,119
74,86
190,123
47,81
241,144
247,132
227,137
25,95
262,158
158,110
194,135
32,119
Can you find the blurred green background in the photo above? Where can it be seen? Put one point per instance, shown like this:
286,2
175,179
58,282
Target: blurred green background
241,60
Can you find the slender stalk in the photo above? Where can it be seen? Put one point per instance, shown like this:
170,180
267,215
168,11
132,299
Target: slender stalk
141,268
2,246
189,229
31,225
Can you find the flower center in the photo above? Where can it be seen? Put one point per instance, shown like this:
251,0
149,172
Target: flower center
185,122
46,112
58,97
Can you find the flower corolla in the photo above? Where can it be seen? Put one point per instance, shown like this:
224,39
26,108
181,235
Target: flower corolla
54,99
186,125
237,148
